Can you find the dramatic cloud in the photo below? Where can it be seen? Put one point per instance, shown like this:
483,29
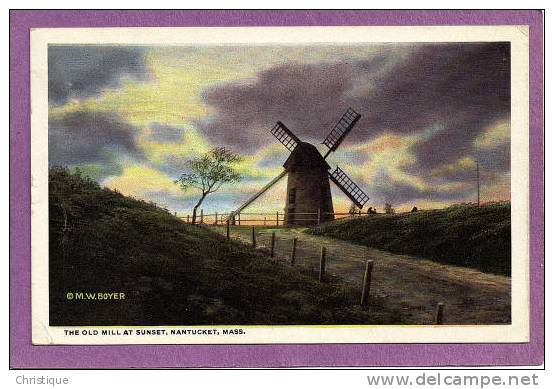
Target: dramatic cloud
82,71
397,193
455,90
458,89
430,113
462,169
82,138
165,134
300,95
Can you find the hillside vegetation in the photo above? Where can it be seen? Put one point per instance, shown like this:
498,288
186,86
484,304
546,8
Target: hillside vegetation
173,273
463,235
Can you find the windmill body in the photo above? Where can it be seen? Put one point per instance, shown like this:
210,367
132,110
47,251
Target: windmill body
308,187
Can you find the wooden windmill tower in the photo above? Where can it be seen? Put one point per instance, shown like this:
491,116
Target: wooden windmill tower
308,188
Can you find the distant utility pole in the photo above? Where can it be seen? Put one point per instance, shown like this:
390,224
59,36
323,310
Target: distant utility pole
478,185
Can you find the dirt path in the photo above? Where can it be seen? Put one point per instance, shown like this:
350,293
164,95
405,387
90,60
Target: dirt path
413,285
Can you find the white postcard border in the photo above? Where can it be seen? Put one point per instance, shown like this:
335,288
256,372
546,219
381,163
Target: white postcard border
517,331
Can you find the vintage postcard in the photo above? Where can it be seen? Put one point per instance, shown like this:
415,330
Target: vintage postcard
261,185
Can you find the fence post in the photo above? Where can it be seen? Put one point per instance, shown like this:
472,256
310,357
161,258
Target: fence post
239,219
318,215
253,237
277,220
188,219
272,244
439,316
293,253
202,216
216,218
228,229
175,214
367,283
322,264
264,220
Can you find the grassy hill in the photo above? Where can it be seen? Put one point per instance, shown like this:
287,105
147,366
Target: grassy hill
173,273
463,235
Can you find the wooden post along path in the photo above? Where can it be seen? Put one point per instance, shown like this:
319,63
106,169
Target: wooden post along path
322,264
253,238
439,316
228,229
367,283
202,216
293,253
272,244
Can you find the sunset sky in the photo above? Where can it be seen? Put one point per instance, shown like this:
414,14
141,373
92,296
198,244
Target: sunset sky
129,116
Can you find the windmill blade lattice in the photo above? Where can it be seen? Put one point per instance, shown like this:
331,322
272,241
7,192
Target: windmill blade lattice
349,187
341,129
285,136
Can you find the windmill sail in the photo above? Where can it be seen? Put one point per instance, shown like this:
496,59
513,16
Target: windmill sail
349,187
285,136
261,192
341,129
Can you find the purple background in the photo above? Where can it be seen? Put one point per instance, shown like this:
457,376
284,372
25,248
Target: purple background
25,355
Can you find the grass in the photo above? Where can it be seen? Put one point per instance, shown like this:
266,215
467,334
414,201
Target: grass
173,273
462,235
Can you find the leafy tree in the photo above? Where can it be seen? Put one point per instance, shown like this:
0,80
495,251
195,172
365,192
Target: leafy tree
353,210
208,173
389,209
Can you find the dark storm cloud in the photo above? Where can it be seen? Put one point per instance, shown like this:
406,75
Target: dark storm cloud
491,159
457,88
496,159
303,96
90,138
453,172
460,89
82,71
162,133
386,190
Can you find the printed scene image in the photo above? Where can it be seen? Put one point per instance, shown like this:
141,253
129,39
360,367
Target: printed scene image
279,185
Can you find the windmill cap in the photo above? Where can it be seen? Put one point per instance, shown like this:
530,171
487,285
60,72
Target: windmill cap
306,155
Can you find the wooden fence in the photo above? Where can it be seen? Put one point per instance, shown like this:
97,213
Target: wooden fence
276,219
270,219
365,290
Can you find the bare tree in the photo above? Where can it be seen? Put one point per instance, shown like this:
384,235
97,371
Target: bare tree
389,209
208,173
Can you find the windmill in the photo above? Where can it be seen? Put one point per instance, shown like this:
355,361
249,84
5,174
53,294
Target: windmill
308,187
